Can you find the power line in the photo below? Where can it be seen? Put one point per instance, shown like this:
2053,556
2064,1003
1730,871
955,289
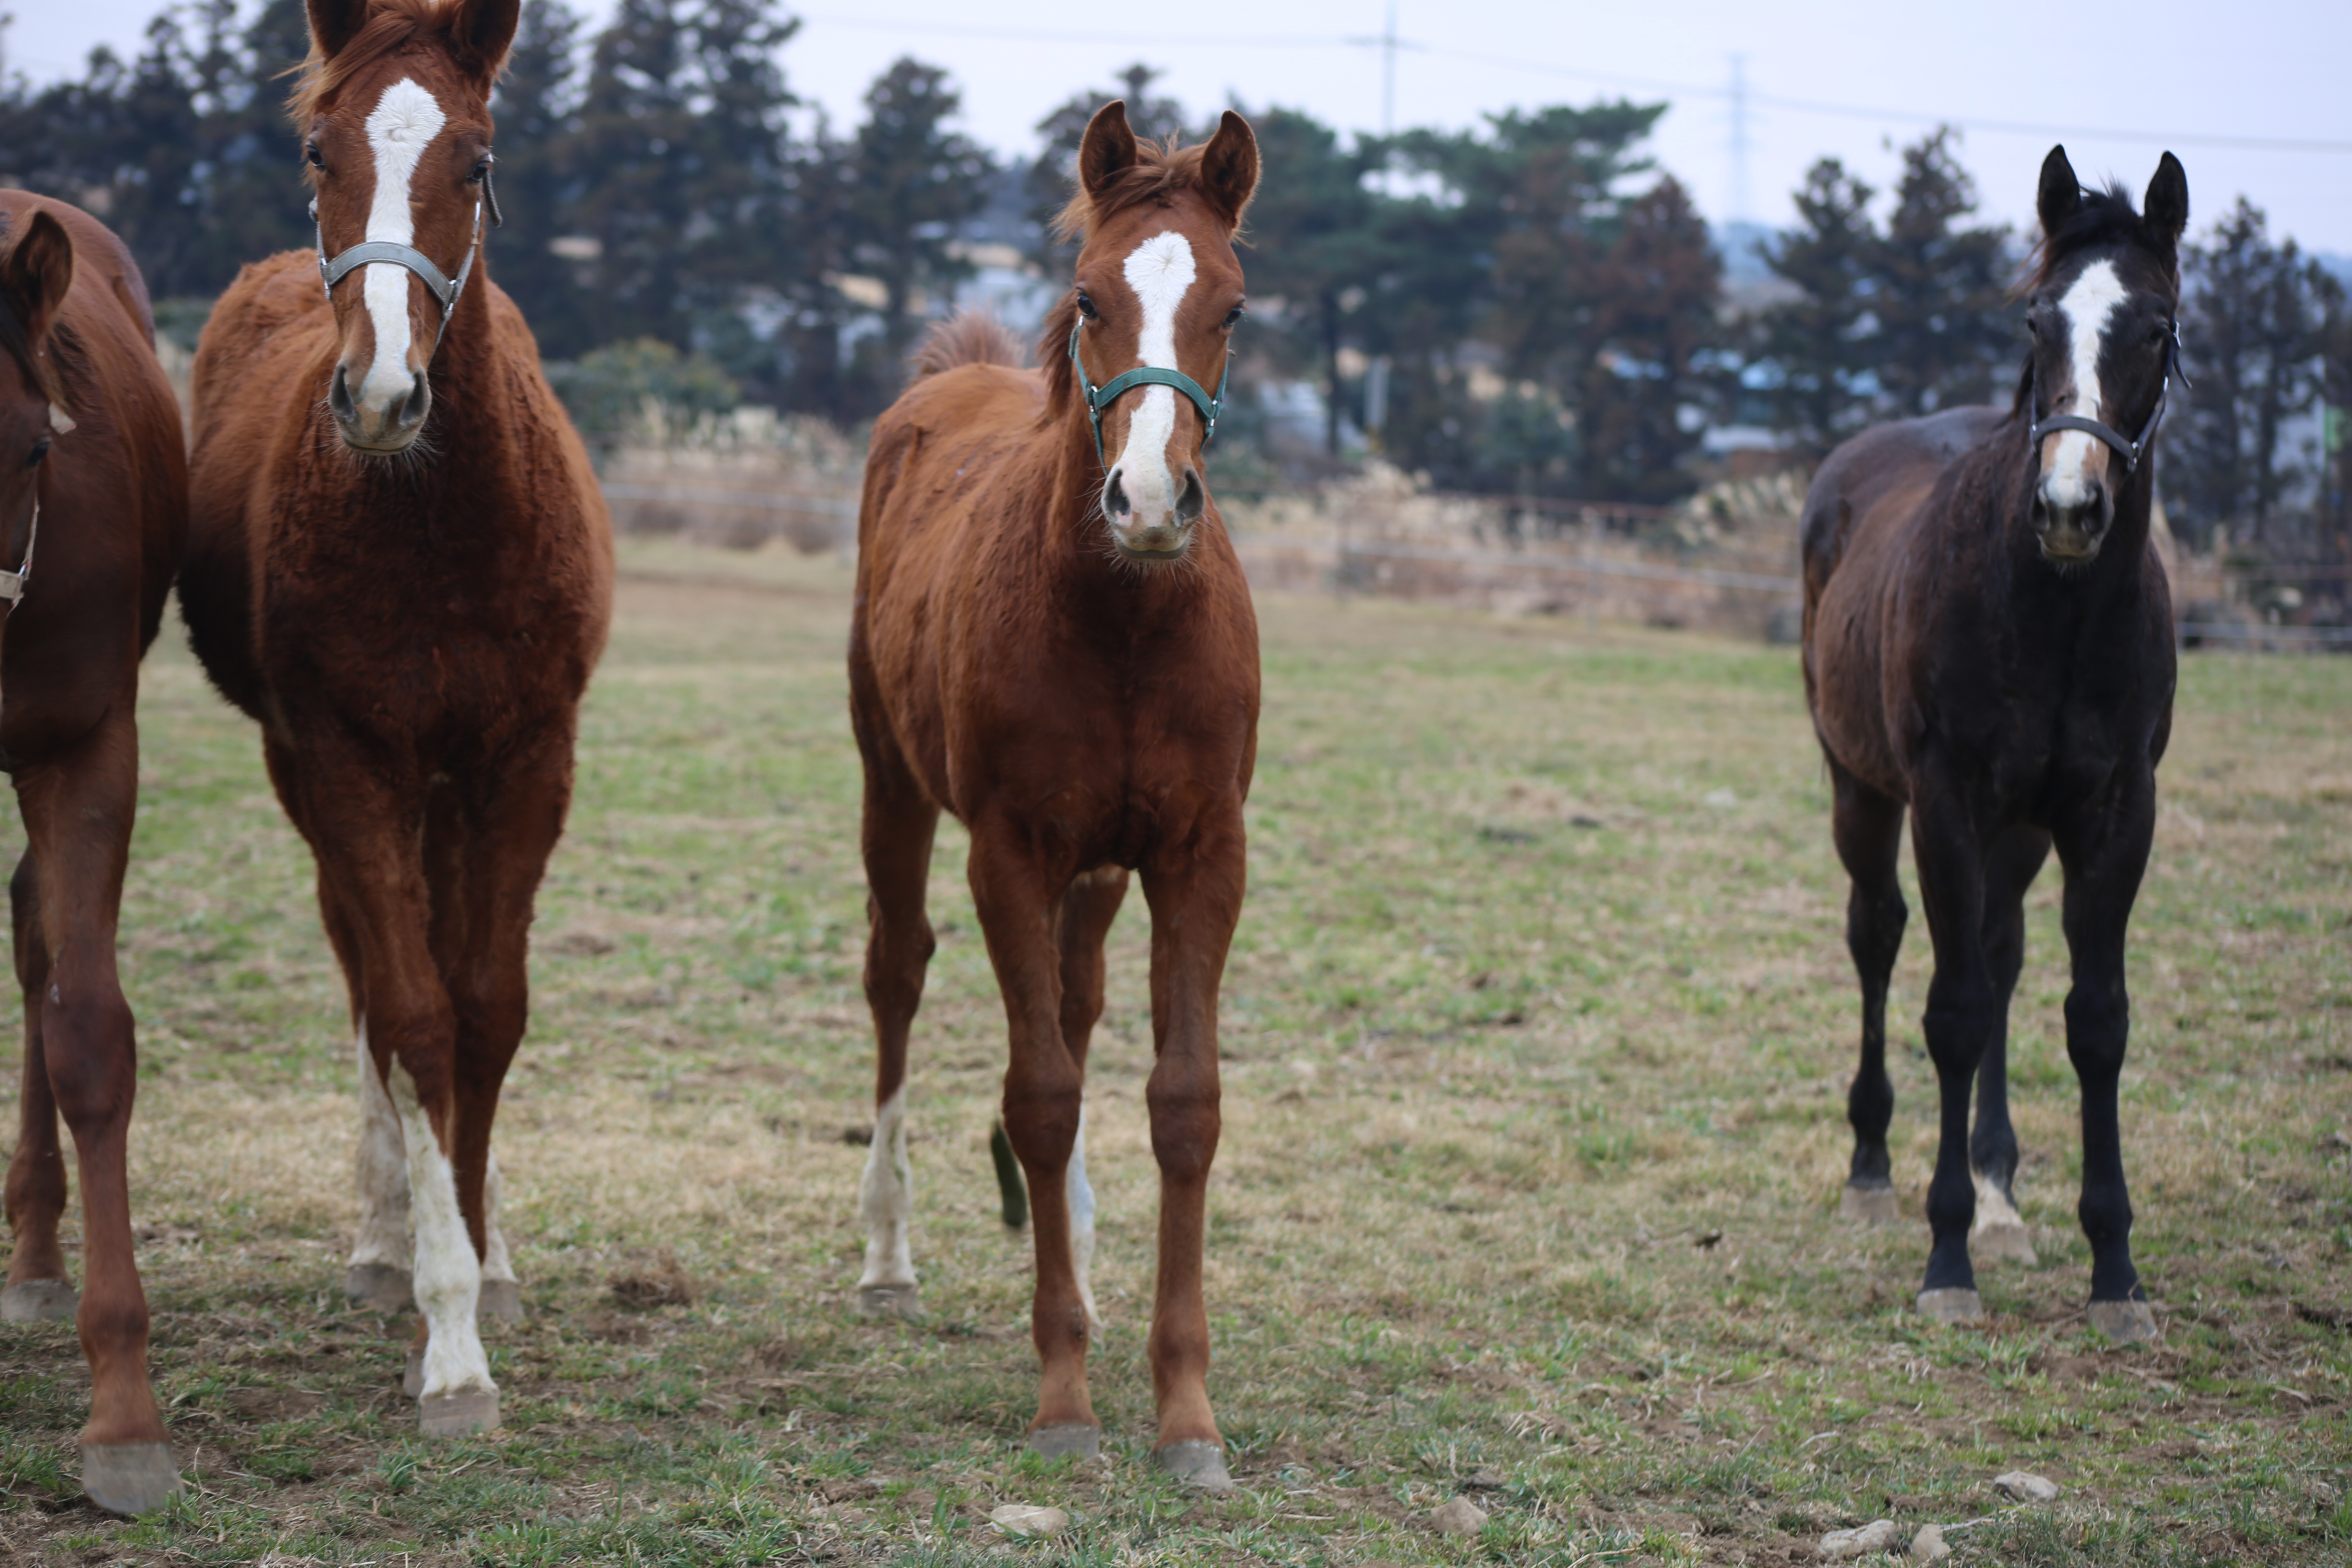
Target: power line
1389,44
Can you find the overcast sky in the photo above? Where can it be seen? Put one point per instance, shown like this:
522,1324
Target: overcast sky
2250,96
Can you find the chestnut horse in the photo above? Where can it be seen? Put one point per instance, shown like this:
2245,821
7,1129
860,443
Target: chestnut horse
1989,644
94,483
1067,659
401,566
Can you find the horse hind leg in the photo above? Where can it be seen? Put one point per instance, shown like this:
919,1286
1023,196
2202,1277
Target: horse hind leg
1868,828
1087,911
378,1274
1999,1232
898,830
38,1289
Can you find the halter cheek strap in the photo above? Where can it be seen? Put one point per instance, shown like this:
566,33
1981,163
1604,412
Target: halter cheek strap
12,583
445,288
2131,451
1099,398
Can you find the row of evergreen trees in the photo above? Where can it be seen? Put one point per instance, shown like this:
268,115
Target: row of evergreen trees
1546,310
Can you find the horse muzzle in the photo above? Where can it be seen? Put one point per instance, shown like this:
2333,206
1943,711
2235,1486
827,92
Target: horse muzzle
1147,526
2071,517
380,425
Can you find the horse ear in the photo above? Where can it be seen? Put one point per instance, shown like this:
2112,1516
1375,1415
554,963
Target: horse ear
335,23
1109,150
37,274
480,32
1229,166
2060,194
2165,209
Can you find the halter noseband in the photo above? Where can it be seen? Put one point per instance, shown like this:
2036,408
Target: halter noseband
2130,451
1098,398
445,288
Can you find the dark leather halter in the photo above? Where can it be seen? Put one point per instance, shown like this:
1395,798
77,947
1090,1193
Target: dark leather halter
1098,398
445,288
2130,451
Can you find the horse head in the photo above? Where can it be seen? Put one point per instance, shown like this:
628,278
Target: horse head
1158,294
34,276
2104,314
394,111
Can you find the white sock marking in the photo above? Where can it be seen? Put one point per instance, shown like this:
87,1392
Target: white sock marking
2088,304
886,1198
404,122
1161,271
495,1264
383,1171
448,1275
1081,1197
1994,1210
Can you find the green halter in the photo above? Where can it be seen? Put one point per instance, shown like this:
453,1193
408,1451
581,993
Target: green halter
1101,397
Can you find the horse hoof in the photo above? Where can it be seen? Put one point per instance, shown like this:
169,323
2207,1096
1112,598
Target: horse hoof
1869,1206
1196,1464
412,1379
130,1478
890,1302
379,1285
467,1411
41,1302
1951,1306
1072,1439
2005,1242
2127,1322
500,1299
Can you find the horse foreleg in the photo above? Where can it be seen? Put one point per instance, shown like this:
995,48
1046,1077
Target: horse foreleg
1044,1095
1959,1023
1868,829
1087,911
2104,863
1999,1231
1193,886
376,1274
78,811
38,1289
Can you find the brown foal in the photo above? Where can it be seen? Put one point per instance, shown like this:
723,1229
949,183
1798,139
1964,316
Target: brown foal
1054,641
93,510
401,566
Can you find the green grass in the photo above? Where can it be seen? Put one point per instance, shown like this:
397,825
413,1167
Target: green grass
1537,1029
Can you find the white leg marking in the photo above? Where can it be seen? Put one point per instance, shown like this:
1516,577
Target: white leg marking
448,1275
495,1264
886,1198
404,122
1160,270
2087,303
1082,1223
383,1172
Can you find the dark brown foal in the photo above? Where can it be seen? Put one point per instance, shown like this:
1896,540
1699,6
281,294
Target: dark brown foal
93,510
1054,641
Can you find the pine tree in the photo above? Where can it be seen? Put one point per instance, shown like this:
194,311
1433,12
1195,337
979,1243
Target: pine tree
1653,317
1816,345
1945,331
1313,230
538,188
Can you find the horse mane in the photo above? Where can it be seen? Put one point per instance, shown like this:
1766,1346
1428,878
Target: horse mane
968,337
391,25
1053,355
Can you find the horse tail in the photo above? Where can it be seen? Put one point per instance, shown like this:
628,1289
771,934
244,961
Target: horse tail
968,337
1008,1176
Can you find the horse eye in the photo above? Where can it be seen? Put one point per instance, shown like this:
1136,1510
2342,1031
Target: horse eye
481,171
1234,316
40,451
1086,308
310,151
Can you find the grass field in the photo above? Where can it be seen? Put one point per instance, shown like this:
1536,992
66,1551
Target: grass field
1536,1033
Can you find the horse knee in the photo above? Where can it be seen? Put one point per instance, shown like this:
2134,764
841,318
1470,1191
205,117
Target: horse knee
85,1043
1041,1115
1873,928
1185,1123
2098,1021
1958,1024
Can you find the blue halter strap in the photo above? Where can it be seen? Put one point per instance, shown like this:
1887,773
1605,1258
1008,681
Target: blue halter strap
1101,397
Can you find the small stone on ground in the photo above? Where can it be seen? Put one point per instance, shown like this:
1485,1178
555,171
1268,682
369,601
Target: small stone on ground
1021,1522
2024,1485
1460,1517
1876,1536
1928,1546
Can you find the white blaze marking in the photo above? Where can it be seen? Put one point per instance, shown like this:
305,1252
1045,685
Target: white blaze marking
1160,270
382,1170
886,1198
448,1275
406,120
2087,303
1081,1198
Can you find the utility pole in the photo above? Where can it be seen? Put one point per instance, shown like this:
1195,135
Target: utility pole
1388,74
1739,140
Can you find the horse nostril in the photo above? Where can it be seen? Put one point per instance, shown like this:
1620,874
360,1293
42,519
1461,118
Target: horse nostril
420,402
1116,496
339,398
1194,499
